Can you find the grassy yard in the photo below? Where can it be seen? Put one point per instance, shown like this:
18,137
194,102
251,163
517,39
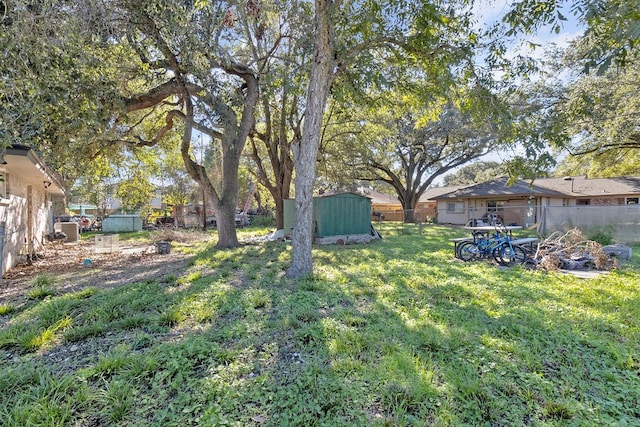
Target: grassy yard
393,333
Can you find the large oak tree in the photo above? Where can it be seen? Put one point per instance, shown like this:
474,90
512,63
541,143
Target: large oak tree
101,75
280,111
408,147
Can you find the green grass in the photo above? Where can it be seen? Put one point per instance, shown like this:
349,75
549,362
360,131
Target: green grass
394,333
6,309
42,287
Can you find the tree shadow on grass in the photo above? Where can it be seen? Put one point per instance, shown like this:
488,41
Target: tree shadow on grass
388,334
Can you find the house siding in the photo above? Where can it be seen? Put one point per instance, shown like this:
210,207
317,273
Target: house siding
446,217
21,239
514,212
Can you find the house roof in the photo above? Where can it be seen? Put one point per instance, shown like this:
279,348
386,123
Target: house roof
378,197
581,186
499,187
434,192
577,186
25,163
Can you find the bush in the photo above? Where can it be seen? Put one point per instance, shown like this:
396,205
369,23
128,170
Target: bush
262,221
602,236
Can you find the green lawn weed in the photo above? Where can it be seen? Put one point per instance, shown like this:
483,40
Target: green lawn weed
395,332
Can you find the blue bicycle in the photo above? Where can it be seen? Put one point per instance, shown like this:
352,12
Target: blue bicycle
497,246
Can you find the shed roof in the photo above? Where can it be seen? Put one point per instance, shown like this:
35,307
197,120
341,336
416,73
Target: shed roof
340,193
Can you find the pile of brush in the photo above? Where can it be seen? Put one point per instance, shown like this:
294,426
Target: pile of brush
573,251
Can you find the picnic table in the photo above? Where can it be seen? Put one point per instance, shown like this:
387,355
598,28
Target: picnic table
494,227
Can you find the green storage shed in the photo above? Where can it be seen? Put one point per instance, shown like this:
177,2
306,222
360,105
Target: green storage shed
342,214
121,223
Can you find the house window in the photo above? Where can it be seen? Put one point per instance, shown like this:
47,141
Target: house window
455,207
495,207
632,200
583,202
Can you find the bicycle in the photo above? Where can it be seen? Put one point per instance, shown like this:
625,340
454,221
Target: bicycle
498,246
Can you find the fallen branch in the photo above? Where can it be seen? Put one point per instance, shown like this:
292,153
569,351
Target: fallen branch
572,251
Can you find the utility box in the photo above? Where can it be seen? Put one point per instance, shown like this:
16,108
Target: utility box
107,244
71,229
163,248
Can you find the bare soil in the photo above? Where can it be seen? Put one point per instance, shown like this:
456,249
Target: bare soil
76,266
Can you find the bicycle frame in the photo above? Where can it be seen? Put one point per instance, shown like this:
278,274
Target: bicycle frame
497,245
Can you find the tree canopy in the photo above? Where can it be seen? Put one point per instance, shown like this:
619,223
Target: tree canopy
601,113
475,173
589,121
92,85
409,148
612,26
141,72
579,104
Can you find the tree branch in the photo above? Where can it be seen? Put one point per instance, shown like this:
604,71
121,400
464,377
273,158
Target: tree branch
157,95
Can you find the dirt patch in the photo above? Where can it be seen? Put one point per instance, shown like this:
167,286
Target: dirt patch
74,267
78,266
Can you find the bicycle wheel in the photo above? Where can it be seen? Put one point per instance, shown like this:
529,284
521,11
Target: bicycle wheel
468,251
510,254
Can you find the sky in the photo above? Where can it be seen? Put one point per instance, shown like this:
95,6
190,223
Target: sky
491,11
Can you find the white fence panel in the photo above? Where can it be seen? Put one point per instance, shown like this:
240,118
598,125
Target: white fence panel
622,222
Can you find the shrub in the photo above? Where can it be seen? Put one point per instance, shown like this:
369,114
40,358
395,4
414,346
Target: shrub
262,221
601,235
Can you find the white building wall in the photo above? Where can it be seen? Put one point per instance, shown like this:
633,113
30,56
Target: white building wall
16,216
42,218
459,217
16,222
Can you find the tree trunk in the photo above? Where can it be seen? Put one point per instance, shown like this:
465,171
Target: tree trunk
227,204
282,166
409,217
279,213
306,154
409,203
233,141
226,224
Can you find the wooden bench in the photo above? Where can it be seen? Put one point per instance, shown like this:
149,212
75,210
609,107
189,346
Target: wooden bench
527,242
457,242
